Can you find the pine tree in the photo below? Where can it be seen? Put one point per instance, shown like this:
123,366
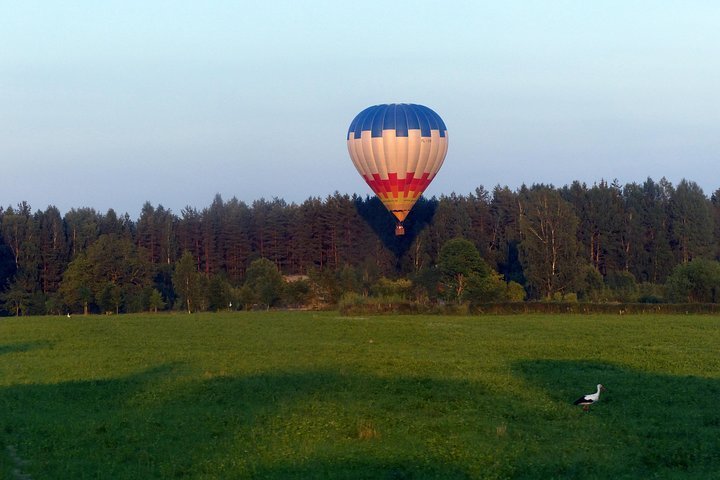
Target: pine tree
83,229
147,233
54,250
691,222
504,235
651,260
237,246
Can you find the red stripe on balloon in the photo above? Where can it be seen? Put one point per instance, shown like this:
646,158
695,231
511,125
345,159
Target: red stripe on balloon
393,184
411,186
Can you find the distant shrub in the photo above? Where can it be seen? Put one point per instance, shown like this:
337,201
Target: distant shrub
354,304
622,286
590,284
696,281
450,309
651,293
596,308
484,288
350,301
297,293
570,297
560,297
515,292
386,287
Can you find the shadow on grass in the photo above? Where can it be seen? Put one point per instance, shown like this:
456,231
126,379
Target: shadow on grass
161,424
659,426
24,347
169,423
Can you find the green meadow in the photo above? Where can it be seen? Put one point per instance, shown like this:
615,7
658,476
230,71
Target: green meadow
307,395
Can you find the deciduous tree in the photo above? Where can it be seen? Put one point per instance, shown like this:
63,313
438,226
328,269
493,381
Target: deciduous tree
696,281
186,281
549,245
265,281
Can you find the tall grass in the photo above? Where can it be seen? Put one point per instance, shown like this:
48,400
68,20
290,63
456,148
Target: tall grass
316,395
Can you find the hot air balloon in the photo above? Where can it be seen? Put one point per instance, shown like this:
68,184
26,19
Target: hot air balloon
398,149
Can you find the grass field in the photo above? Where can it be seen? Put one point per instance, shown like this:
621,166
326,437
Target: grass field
316,395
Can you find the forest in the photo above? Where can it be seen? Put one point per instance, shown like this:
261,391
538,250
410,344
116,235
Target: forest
647,242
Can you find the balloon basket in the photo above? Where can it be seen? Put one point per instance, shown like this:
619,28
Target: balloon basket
399,230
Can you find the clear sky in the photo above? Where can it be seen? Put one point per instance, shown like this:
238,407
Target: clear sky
109,104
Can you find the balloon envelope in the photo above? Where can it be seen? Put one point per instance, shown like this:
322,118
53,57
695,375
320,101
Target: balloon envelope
398,149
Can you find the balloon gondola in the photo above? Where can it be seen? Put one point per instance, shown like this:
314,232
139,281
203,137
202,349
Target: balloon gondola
398,149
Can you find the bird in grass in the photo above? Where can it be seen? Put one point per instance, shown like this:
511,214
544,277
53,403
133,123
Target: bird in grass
589,399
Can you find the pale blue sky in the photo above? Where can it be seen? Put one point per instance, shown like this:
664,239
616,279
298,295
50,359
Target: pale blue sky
109,104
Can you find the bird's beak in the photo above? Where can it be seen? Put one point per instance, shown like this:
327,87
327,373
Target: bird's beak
603,389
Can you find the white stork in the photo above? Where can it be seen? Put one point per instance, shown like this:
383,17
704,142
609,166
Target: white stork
589,399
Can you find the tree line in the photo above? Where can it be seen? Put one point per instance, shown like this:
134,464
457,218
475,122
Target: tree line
650,241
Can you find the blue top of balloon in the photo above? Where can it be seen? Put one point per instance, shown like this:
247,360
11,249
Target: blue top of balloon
400,117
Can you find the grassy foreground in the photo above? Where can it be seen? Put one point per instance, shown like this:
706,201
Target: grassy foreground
315,395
